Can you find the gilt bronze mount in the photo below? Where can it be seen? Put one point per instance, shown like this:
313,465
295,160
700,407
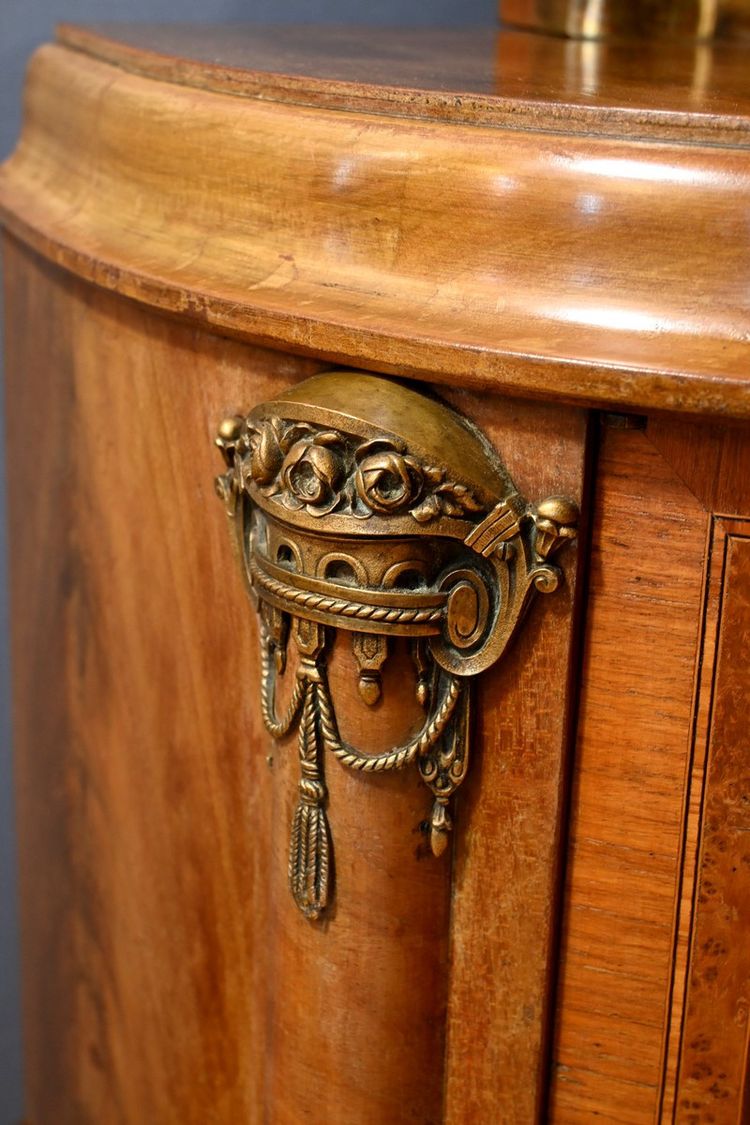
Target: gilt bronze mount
358,503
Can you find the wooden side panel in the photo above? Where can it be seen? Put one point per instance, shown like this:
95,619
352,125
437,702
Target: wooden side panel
506,870
168,976
631,774
707,1060
694,811
140,788
713,1068
654,1003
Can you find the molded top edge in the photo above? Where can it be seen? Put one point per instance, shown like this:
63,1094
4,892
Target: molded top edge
598,271
486,75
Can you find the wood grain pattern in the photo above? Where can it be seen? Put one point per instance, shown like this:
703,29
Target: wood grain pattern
713,1070
504,920
143,983
154,814
168,975
713,462
695,786
577,271
711,459
478,75
652,1011
631,766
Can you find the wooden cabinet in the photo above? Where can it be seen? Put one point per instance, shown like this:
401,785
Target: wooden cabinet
549,241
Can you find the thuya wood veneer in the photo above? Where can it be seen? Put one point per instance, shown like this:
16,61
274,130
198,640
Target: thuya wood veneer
552,236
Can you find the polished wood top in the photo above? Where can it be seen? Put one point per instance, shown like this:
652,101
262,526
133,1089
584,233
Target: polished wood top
482,75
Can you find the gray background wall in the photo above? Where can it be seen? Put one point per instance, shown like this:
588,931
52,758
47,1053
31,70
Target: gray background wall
23,25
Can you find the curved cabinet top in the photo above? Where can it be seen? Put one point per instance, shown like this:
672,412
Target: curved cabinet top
580,236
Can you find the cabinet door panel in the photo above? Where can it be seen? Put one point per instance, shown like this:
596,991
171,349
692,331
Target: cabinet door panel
652,1001
168,973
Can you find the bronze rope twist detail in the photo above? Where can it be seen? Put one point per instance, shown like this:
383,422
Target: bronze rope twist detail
393,759
276,727
308,600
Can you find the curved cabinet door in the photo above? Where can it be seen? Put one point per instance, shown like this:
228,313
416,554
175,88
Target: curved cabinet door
169,973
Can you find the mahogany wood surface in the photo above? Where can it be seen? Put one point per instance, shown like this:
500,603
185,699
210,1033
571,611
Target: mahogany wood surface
504,928
140,801
479,75
713,1077
168,975
651,1007
642,635
596,268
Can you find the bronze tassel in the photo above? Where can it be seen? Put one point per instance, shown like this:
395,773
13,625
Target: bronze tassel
309,858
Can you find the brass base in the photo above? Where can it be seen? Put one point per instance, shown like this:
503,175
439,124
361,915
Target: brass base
642,19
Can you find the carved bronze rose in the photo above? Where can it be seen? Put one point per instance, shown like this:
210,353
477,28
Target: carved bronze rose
312,472
323,470
266,455
386,479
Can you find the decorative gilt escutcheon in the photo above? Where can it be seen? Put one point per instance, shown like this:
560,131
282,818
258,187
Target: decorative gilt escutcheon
361,504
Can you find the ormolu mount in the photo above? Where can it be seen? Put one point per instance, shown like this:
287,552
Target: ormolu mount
361,504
